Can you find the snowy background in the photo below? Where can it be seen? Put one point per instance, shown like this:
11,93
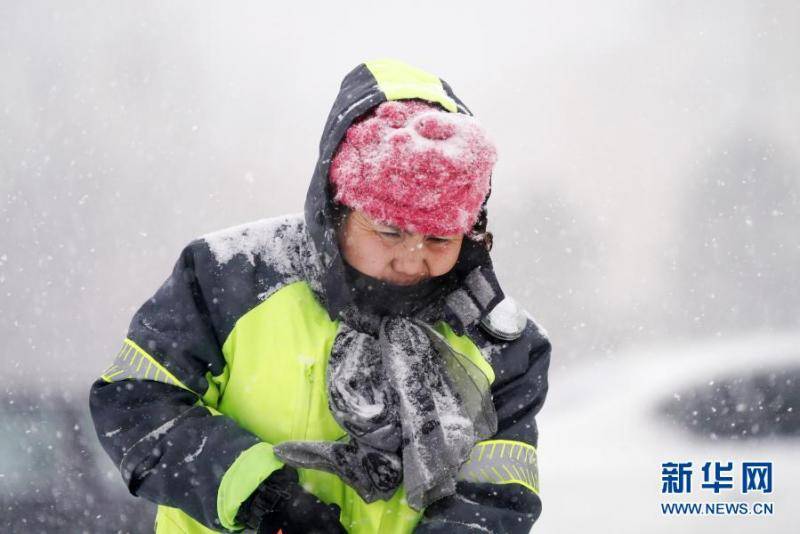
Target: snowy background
646,210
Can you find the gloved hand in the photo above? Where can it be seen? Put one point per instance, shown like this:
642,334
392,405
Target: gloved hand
374,474
281,503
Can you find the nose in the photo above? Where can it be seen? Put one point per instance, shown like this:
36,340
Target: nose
409,262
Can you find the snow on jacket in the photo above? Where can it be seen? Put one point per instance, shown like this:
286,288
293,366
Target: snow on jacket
228,359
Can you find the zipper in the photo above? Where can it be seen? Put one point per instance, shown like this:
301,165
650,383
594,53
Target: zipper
305,390
309,376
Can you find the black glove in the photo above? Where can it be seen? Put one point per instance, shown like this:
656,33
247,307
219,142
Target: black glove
281,503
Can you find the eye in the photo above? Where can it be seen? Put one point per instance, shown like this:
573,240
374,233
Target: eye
389,233
436,240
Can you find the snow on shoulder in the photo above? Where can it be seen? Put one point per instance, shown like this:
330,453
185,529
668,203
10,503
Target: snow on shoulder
281,243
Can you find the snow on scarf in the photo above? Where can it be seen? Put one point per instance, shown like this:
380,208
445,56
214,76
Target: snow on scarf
412,406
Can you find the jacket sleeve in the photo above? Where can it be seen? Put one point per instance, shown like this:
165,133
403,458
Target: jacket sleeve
154,409
498,487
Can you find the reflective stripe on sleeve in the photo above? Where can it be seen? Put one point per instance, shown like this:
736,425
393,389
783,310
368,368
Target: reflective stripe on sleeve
133,362
502,462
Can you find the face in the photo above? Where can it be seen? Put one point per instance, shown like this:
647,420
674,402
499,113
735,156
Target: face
393,255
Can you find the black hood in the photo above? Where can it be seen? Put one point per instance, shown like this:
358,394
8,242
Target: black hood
365,87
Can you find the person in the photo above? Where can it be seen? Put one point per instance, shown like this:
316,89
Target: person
356,368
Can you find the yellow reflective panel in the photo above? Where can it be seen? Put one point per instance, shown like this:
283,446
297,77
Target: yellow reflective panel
399,80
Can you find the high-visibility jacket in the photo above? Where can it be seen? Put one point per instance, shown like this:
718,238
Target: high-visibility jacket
228,358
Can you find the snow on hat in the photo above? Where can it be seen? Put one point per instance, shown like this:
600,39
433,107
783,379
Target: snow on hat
414,166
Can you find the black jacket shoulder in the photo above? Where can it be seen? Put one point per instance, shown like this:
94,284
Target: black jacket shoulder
237,268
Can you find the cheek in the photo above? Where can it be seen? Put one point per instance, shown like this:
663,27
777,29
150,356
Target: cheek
441,261
366,255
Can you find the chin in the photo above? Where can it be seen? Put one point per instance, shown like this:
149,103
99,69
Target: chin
405,281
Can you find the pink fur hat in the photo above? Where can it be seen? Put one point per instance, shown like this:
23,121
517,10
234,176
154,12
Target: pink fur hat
414,166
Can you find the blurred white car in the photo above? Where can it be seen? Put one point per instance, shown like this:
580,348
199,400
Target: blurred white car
610,422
